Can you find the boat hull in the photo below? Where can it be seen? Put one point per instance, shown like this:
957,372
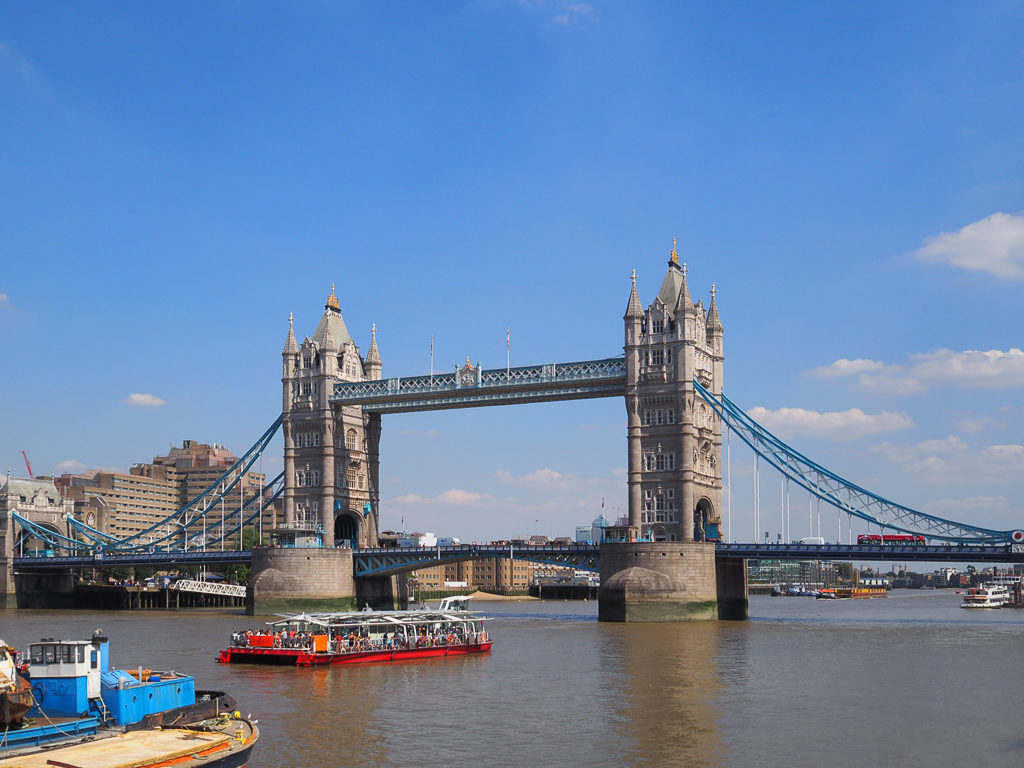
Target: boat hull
14,703
292,657
228,744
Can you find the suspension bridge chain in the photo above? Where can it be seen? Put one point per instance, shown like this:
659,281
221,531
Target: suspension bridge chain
206,522
840,493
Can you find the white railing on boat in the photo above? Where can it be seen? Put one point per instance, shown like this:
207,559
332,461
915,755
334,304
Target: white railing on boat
209,587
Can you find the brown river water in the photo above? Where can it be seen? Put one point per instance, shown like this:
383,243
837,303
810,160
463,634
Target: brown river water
911,680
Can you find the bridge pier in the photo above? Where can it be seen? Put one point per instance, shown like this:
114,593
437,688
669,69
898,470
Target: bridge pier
51,588
669,581
8,597
382,593
731,580
287,579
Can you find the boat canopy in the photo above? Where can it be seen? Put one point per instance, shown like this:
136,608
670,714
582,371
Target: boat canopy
380,619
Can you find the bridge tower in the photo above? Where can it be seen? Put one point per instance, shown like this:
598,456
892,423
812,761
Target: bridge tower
662,565
331,454
674,438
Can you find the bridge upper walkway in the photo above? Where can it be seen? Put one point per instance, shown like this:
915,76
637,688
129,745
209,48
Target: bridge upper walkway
473,387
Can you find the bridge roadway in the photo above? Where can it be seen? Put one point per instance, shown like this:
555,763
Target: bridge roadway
389,561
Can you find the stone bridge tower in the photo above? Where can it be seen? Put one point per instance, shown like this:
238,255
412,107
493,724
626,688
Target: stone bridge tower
331,453
675,438
663,565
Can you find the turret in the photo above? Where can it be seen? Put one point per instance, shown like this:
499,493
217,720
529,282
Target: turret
372,364
289,364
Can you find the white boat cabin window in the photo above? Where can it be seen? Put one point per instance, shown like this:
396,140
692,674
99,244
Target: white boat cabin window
56,653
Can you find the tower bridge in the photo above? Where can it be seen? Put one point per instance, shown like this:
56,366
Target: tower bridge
666,563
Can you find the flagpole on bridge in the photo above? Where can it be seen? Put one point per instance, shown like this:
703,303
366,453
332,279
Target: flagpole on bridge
431,360
508,352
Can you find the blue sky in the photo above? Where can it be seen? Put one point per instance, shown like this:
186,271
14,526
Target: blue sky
177,178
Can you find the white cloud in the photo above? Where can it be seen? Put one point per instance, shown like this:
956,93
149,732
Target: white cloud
576,13
837,425
975,423
844,367
945,367
72,466
951,461
144,400
951,444
994,245
451,497
462,498
3,298
539,479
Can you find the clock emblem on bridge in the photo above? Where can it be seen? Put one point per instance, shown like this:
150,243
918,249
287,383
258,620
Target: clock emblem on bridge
467,374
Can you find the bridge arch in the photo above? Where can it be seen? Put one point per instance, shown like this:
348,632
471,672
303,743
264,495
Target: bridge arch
346,527
704,526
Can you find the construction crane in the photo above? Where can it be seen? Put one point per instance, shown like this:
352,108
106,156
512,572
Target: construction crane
29,466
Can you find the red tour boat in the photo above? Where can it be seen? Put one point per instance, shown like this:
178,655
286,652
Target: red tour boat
315,639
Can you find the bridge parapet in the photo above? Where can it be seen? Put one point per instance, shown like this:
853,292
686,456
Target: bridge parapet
473,386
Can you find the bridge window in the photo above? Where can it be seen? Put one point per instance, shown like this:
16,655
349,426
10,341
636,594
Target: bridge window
657,326
307,361
657,357
304,388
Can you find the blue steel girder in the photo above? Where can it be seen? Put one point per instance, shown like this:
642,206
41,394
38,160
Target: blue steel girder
499,386
389,561
841,493
948,553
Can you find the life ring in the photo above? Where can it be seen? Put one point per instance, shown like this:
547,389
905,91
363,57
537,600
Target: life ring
152,550
1017,536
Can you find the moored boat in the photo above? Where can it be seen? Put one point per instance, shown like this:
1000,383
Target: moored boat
85,713
319,639
987,596
15,690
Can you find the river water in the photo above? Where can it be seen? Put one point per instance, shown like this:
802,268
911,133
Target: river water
908,680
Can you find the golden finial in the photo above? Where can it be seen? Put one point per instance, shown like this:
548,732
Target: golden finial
332,300
673,257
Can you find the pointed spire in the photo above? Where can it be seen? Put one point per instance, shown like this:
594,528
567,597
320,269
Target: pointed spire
684,303
373,354
290,345
332,301
714,321
673,257
633,308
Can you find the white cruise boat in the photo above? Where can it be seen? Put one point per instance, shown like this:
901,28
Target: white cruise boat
988,596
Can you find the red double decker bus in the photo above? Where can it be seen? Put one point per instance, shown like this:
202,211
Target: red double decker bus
891,540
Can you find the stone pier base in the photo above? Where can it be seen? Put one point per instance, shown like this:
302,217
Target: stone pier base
731,577
291,580
658,581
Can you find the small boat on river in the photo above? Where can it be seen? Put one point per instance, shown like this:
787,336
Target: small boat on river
354,637
988,596
84,714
